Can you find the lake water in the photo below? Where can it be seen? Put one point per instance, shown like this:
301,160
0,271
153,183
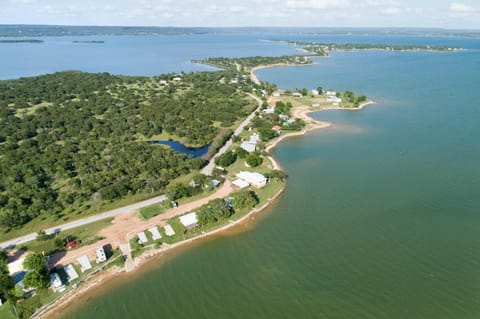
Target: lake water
381,214
179,147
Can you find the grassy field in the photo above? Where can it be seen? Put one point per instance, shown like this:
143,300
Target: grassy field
86,234
151,211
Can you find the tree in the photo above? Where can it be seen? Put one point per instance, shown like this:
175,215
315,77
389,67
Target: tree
226,159
266,133
6,281
254,159
245,199
241,153
276,175
177,191
320,90
37,279
35,262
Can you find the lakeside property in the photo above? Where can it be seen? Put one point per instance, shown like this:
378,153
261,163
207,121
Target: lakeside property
242,166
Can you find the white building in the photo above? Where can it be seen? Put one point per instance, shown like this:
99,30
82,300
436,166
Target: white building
155,234
142,238
177,79
297,94
249,146
253,178
315,92
71,272
163,82
56,282
101,256
269,110
334,99
84,263
240,183
189,220
276,94
254,138
169,230
331,93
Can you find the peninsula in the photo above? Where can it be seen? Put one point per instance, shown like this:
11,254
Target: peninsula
84,149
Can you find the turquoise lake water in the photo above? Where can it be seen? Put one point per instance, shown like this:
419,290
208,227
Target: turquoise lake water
380,217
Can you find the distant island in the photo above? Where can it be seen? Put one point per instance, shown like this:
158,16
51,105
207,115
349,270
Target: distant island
89,41
22,41
322,49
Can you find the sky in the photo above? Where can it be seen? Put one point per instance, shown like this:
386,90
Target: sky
458,14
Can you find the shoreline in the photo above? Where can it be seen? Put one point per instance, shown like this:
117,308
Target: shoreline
60,305
255,79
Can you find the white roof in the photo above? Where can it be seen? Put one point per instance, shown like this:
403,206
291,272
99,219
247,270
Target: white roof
155,234
169,230
71,272
296,94
16,266
84,263
142,238
269,110
334,99
55,280
331,93
240,183
252,177
189,219
315,92
254,138
249,146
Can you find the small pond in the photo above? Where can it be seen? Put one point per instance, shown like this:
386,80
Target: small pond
179,147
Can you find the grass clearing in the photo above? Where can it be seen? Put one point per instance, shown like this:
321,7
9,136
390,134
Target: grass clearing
151,211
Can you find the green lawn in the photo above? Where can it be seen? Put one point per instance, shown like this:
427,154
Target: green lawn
151,211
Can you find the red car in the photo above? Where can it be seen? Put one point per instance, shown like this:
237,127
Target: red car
71,244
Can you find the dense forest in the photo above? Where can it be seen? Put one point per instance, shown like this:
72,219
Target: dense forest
71,139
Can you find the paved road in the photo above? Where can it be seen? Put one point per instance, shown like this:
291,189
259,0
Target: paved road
207,170
85,221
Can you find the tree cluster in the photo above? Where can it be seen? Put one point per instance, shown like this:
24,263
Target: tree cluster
72,139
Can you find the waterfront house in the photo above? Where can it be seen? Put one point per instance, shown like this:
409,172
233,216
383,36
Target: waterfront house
240,183
297,94
249,146
101,256
16,270
168,230
142,238
315,92
277,128
84,263
334,99
71,272
255,138
155,233
331,93
253,178
56,282
189,220
276,94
